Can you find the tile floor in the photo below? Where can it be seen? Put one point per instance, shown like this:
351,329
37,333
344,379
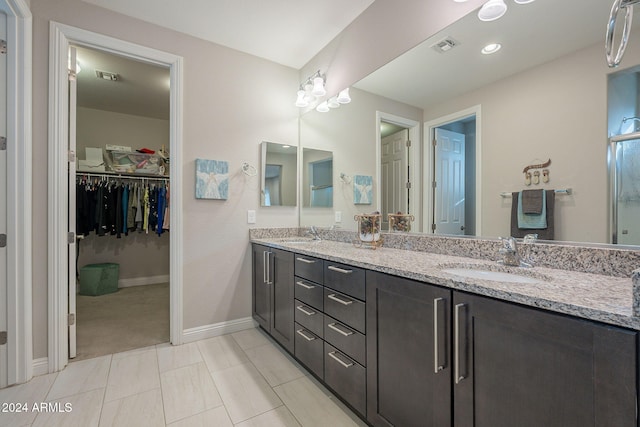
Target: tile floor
242,379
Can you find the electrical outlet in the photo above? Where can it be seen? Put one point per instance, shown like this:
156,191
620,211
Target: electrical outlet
251,217
338,216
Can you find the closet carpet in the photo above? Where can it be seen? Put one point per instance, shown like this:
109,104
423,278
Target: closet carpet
133,317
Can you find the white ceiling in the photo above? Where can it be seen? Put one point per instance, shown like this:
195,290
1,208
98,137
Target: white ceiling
141,89
530,34
289,32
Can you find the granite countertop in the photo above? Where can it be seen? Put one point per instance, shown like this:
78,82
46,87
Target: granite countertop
597,297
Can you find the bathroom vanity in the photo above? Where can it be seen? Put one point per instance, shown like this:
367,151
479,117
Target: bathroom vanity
405,342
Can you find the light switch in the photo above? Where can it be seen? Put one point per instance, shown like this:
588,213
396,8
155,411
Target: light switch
251,217
338,216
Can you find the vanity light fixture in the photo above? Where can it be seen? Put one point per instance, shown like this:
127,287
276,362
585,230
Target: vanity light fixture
333,102
491,48
492,10
311,88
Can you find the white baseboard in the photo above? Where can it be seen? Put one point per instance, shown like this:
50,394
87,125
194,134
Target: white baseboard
141,281
40,366
215,330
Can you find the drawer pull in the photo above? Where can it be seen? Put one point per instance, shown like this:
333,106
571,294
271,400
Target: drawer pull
332,354
306,261
304,285
437,367
305,336
339,270
340,331
307,312
340,300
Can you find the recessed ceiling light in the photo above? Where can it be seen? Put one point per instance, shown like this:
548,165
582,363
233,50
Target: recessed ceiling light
524,1
492,10
491,48
286,146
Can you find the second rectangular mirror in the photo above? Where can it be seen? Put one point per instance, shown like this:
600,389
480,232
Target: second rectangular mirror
279,174
317,178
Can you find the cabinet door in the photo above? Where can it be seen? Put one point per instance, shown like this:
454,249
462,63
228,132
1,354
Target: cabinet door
408,352
261,308
517,366
282,302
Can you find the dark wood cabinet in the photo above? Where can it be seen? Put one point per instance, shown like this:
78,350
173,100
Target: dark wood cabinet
518,366
408,352
273,293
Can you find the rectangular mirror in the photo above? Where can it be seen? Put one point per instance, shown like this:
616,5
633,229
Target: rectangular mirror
279,172
317,178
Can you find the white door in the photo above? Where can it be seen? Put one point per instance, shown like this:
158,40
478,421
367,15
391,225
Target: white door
3,206
394,175
72,202
449,191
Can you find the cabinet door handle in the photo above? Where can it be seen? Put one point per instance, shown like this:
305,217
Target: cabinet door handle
339,270
264,266
340,331
302,309
437,367
306,261
332,354
305,336
304,285
269,272
456,320
340,300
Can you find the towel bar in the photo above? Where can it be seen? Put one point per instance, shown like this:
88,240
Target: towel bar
558,191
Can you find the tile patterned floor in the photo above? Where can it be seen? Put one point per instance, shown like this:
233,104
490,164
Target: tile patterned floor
242,379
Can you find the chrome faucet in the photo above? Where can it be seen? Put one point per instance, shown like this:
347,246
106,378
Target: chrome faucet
313,231
510,254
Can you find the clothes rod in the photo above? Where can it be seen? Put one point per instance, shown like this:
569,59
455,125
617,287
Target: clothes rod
107,175
558,191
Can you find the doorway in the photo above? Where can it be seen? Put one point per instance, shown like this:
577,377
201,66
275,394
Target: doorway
121,108
397,167
452,174
60,278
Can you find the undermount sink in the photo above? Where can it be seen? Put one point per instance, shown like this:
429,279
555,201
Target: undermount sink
495,273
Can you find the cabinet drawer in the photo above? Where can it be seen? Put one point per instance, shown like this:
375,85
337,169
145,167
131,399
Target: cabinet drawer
308,292
309,317
309,350
344,278
345,339
309,268
346,309
346,377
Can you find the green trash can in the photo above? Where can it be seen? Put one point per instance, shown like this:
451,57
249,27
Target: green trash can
99,279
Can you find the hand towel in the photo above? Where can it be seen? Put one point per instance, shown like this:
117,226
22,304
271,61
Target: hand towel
532,221
543,234
532,202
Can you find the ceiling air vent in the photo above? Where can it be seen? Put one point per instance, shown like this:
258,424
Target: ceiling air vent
445,45
105,75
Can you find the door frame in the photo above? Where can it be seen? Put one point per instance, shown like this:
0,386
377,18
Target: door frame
428,159
414,162
19,190
60,36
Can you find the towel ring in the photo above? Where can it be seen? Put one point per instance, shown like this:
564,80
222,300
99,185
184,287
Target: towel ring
627,5
248,169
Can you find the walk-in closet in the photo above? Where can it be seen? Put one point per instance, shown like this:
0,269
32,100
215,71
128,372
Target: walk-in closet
122,204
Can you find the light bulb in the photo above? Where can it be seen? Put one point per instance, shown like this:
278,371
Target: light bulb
491,48
333,102
523,1
323,107
301,101
318,87
492,10
343,96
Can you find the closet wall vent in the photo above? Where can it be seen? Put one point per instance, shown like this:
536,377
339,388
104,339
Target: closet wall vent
106,75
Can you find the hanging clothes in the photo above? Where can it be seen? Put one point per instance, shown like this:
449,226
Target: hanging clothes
145,214
162,192
165,223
